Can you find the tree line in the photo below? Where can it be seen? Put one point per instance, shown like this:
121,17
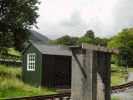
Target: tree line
89,38
123,42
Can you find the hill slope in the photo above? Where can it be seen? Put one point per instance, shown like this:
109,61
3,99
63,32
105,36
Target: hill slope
34,39
38,37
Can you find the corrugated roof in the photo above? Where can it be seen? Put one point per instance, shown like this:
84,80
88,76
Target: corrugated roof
51,49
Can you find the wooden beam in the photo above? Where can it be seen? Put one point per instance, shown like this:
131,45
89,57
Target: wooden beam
115,51
90,47
99,48
64,47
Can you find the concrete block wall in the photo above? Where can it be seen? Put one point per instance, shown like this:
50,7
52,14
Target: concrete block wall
90,75
77,76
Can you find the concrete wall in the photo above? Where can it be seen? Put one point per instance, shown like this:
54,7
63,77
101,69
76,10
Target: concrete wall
103,75
90,75
77,73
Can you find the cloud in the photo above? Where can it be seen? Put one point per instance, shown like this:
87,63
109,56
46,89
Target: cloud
74,21
75,25
105,17
122,16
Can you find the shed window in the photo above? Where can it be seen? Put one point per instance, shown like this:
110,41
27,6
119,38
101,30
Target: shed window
31,61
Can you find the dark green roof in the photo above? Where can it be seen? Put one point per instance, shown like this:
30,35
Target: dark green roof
50,49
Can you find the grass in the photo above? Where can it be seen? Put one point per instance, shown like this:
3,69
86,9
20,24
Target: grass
115,99
116,77
12,54
113,66
11,85
130,69
10,71
14,88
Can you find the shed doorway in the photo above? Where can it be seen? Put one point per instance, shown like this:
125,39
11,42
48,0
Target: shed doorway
62,72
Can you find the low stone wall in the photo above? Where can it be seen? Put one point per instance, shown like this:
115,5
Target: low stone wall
11,62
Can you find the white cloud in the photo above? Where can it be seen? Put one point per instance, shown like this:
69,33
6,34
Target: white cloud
75,17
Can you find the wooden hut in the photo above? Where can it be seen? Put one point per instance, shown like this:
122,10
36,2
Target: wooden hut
46,65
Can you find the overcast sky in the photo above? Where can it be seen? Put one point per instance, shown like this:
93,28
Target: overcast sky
74,17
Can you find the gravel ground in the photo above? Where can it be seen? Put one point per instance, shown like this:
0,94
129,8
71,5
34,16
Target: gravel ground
126,95
130,78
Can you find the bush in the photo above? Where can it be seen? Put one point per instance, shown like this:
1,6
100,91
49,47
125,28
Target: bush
9,57
113,59
3,57
10,71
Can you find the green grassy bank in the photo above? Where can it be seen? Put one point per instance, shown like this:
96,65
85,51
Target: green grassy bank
11,85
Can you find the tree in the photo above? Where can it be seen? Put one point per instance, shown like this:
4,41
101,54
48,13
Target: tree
64,40
124,57
89,34
93,41
123,40
104,42
73,41
16,17
86,40
67,40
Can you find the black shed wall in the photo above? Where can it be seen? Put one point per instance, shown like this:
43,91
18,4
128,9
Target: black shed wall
48,62
56,71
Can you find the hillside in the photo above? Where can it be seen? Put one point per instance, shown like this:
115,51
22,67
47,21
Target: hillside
34,39
38,37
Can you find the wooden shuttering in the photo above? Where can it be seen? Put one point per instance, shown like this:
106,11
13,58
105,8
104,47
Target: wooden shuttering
90,47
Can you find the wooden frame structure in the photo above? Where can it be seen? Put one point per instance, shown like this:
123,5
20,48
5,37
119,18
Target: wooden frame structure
90,47
91,71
